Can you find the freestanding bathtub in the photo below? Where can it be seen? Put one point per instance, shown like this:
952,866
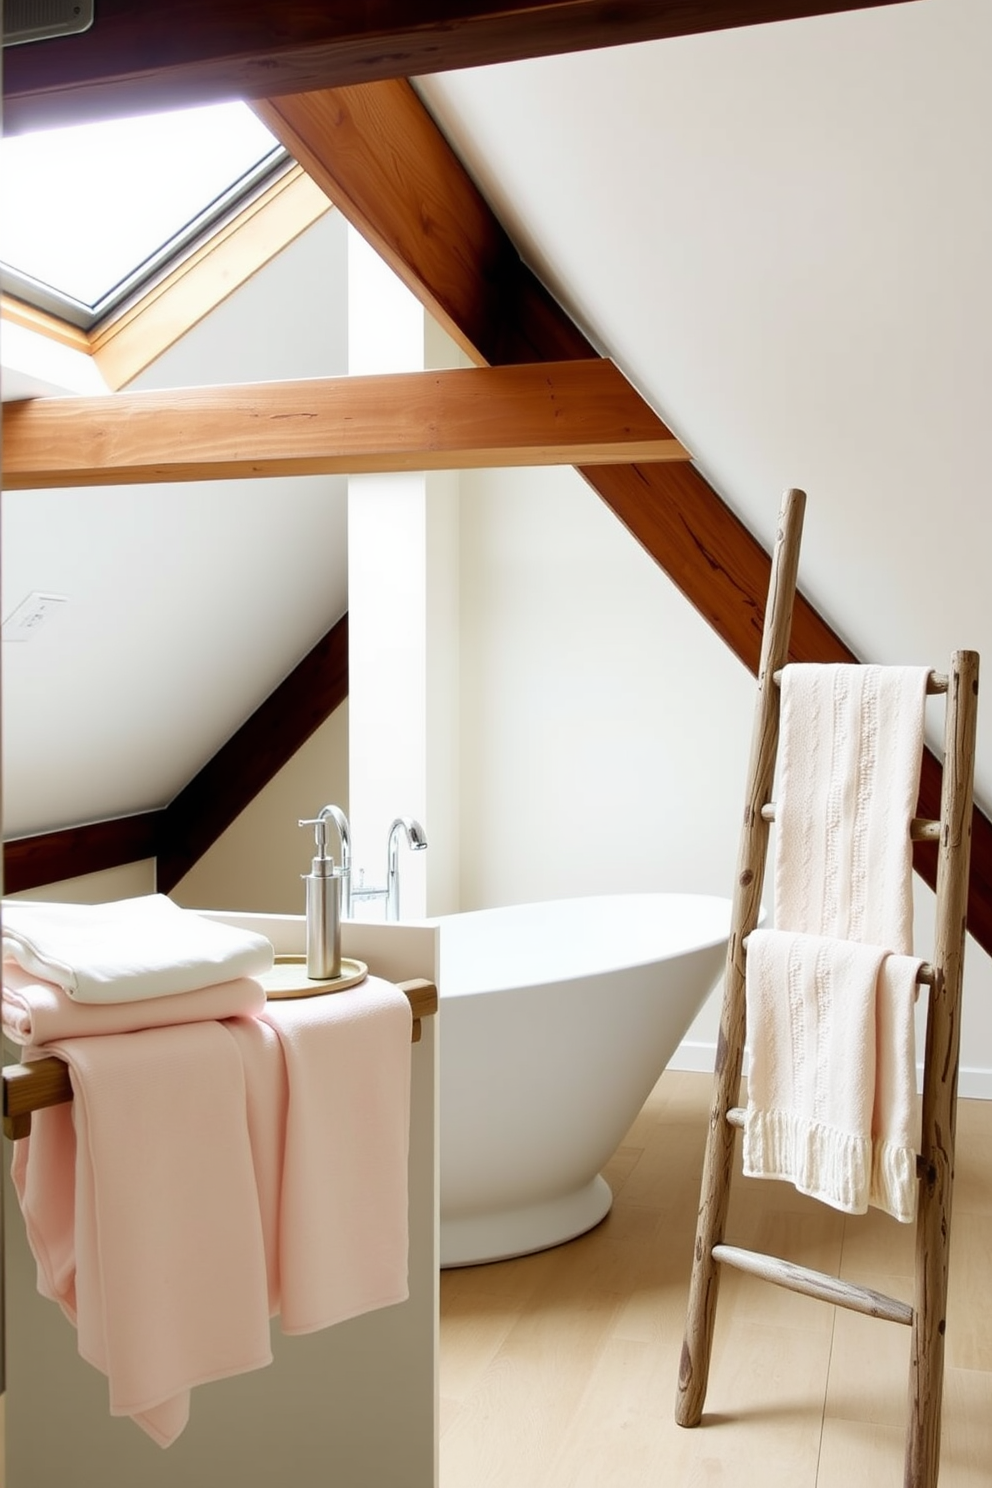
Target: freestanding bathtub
556,1020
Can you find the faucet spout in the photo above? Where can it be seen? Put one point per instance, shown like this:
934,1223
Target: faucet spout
416,839
337,816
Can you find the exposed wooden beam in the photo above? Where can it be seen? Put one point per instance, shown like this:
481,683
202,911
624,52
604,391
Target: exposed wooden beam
136,58
558,413
425,217
48,857
252,756
383,162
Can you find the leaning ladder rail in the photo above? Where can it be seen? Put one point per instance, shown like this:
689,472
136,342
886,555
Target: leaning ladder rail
927,1315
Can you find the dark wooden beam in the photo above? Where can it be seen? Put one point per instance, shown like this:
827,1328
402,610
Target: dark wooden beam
136,58
252,756
181,833
383,162
48,857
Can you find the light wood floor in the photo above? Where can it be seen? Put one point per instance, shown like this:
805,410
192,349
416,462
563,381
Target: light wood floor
558,1370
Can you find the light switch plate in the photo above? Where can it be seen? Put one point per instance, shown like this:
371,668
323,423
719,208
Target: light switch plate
31,614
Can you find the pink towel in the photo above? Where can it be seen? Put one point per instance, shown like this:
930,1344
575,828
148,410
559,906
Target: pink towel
142,1212
334,1199
35,1012
209,1175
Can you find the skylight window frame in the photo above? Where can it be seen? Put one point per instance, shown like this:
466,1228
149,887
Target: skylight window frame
224,259
214,216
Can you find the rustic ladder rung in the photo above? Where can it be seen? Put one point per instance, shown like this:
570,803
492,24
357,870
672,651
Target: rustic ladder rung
815,1284
920,828
937,682
925,977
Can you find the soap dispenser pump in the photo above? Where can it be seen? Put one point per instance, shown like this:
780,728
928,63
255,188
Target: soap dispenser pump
323,909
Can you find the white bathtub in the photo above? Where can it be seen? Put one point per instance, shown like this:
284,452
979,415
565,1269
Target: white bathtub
556,1021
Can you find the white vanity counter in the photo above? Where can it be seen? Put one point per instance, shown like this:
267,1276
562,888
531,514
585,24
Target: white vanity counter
354,1406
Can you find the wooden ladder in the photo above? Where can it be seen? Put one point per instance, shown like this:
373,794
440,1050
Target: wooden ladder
935,1162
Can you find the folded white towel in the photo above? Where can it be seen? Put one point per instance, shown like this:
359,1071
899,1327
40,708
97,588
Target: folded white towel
832,1082
129,949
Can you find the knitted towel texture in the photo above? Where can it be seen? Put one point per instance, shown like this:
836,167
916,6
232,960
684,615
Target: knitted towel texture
831,990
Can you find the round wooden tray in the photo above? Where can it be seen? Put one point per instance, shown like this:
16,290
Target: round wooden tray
288,978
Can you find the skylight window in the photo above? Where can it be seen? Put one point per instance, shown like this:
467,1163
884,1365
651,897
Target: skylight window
93,212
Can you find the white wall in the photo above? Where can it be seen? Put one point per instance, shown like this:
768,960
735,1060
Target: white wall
402,621
782,235
604,727
188,603
257,864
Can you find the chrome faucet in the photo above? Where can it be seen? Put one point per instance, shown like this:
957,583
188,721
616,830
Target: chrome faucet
359,890
354,890
417,841
337,816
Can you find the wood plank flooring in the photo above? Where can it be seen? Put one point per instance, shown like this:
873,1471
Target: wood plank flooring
558,1370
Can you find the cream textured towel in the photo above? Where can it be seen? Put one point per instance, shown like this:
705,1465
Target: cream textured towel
128,949
830,991
831,1090
849,776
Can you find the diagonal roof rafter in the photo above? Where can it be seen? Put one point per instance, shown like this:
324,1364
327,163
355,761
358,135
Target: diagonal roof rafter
221,49
343,137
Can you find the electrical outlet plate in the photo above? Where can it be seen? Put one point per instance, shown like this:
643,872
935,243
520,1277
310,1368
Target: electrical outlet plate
31,614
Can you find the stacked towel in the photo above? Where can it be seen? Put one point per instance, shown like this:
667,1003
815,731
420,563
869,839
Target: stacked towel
210,1174
830,991
129,949
37,1012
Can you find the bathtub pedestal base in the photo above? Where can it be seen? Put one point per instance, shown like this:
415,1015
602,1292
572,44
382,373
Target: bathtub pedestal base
477,1238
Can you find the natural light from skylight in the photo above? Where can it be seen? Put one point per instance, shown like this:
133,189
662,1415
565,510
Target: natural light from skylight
87,208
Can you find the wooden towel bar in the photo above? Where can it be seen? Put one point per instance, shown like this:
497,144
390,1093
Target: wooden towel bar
45,1082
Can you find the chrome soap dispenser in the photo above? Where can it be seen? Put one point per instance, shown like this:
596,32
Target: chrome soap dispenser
323,908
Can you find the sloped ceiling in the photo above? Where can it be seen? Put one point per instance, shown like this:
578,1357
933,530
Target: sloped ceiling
781,234
187,604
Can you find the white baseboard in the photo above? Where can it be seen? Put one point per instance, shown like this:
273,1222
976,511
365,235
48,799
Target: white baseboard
694,1055
974,1083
